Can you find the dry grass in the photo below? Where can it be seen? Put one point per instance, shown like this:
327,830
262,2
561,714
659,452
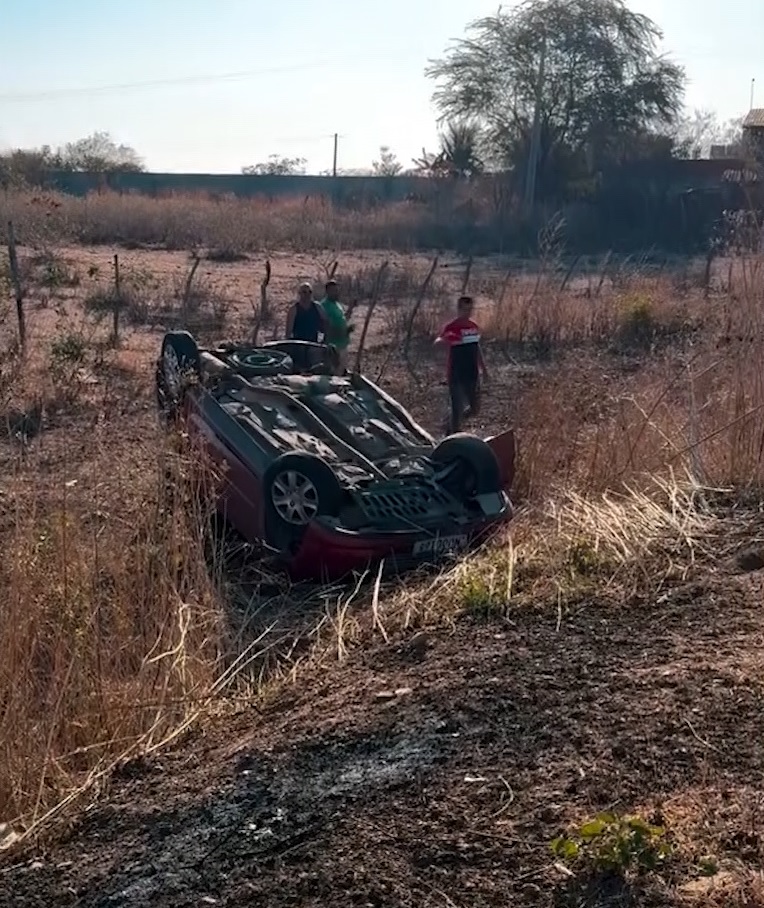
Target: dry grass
231,227
640,378
117,627
120,616
559,553
126,625
633,385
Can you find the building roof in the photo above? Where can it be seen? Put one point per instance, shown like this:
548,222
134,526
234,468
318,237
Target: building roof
754,119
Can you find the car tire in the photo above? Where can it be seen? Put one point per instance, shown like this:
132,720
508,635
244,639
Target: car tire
297,488
179,362
305,355
476,469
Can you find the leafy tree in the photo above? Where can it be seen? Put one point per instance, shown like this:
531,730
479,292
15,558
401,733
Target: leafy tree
388,164
99,153
28,166
347,172
96,154
590,67
731,132
276,165
431,164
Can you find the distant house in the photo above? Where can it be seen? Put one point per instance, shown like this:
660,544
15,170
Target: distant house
725,152
753,134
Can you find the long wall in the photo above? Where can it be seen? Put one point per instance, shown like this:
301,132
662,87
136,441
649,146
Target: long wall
383,188
677,174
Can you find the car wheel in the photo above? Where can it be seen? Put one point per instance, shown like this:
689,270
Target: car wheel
297,488
178,362
307,356
468,465
261,362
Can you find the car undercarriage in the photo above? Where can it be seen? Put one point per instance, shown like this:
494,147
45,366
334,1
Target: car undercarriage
330,455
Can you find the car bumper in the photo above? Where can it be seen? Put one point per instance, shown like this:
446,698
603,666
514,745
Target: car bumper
329,553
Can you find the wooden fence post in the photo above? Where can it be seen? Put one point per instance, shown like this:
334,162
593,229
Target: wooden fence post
117,298
415,312
186,301
369,312
17,287
467,275
262,314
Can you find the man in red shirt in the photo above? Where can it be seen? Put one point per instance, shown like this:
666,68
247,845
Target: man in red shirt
465,363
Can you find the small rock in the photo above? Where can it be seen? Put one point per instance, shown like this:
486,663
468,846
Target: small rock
550,813
751,559
416,648
384,695
403,691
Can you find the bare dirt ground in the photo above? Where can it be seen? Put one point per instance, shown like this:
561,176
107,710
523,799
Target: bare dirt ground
436,771
223,305
433,768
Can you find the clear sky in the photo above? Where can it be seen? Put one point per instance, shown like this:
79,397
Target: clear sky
312,68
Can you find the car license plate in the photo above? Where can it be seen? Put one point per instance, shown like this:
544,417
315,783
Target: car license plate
440,544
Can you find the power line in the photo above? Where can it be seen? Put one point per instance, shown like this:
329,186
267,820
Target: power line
315,138
286,140
51,93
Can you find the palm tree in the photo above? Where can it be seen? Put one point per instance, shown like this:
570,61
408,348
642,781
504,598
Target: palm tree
460,147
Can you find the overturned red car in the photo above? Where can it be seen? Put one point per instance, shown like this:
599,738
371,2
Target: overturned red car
327,472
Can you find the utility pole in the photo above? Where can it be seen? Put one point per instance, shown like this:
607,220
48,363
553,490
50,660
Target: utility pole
533,156
753,86
334,164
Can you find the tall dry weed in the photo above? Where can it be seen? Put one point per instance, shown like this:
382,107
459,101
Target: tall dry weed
185,221
651,383
112,624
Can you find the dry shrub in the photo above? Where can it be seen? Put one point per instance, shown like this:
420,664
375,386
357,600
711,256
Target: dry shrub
121,621
112,621
402,313
538,314
138,292
401,284
235,226
115,625
640,382
558,553
53,271
590,430
201,307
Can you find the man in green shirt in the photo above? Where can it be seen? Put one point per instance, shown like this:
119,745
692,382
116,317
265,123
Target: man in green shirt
337,331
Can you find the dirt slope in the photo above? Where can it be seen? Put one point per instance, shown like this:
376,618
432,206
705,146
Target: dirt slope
434,771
